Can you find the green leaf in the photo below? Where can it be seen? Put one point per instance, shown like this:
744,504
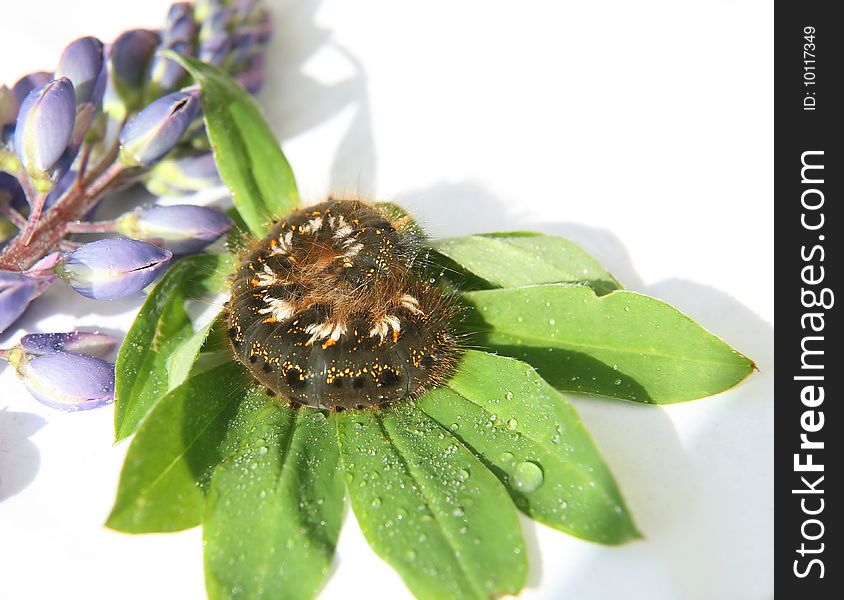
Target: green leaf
162,344
273,512
247,153
187,433
532,439
523,258
622,345
429,508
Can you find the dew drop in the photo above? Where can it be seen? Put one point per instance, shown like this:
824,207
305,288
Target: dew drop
463,475
506,458
527,476
512,423
376,502
454,426
509,396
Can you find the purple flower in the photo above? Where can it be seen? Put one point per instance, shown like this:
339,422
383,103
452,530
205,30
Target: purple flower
214,49
129,58
183,227
177,35
112,268
186,175
180,25
8,108
78,342
11,192
27,83
82,63
156,130
67,381
44,128
17,290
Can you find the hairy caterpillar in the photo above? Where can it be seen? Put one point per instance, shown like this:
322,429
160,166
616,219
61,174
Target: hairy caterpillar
332,309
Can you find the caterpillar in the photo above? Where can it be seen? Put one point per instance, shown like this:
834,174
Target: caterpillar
333,309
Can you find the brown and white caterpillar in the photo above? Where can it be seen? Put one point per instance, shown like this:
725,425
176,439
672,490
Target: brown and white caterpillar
332,309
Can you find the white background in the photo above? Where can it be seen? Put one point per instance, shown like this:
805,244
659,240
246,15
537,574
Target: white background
642,130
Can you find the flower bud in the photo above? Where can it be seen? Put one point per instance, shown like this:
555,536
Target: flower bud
65,380
8,109
27,83
185,228
112,268
214,49
44,128
82,63
180,176
11,192
156,130
180,25
252,77
129,60
165,74
78,342
17,290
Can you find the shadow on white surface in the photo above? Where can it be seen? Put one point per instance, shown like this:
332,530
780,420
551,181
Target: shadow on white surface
19,457
295,102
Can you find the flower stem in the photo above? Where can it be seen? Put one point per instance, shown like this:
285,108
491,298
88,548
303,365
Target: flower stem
90,227
50,229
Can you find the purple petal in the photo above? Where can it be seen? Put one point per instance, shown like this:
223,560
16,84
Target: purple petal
16,292
214,49
113,268
69,381
129,58
11,192
180,176
180,26
82,63
45,125
27,83
8,108
78,342
156,130
183,227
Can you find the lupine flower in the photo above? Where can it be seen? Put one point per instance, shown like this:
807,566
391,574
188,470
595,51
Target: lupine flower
129,60
112,268
215,49
184,228
82,63
8,109
44,128
17,290
186,175
66,380
27,83
11,193
177,35
78,342
156,130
